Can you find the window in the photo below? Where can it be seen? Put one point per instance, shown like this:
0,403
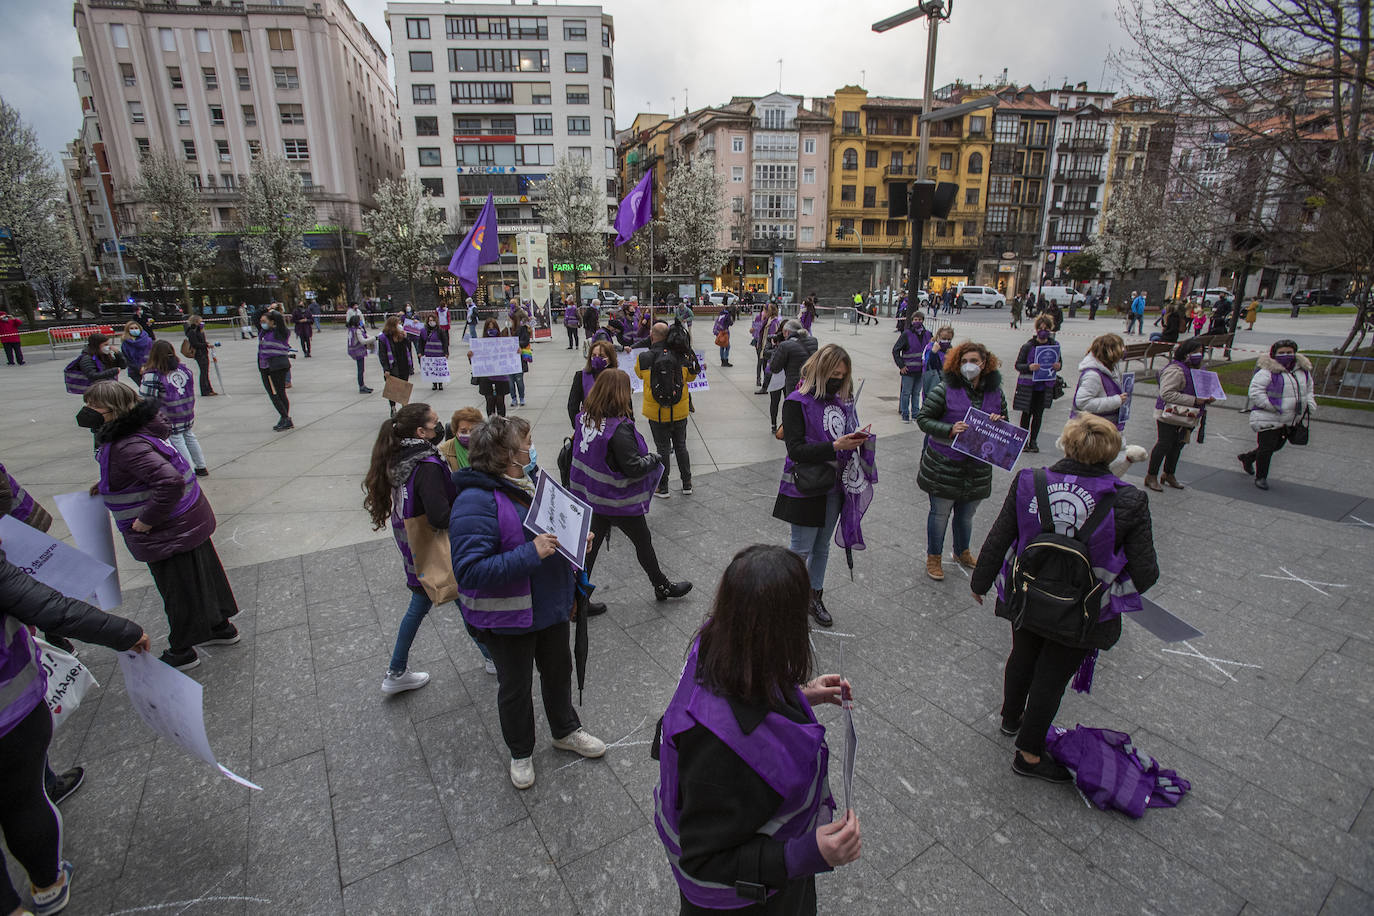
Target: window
869,227
534,60
582,153
608,98
737,205
119,35
610,128
183,114
288,78
850,160
543,125
174,77
1040,133
254,149
946,161
871,159
307,179
610,157
734,233
427,127
217,115
541,93
1142,139
421,62
168,39
808,206
144,148
870,196
497,60
737,174
296,149
774,176
605,36
575,63
1125,137
210,77
977,125
126,73
809,146
1000,219
579,95
250,116
1005,129
417,28
607,67
579,126
422,94
970,228
849,122
847,192
775,206
135,112
736,144
480,93
434,187
203,41
188,147
236,41
429,155
291,114
808,176
975,163
194,180
280,40
574,30
971,197
222,150
241,75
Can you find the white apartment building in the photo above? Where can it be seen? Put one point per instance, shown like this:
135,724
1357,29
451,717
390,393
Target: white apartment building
218,86
90,191
491,95
1078,171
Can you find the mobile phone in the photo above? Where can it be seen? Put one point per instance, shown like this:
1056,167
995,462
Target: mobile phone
866,432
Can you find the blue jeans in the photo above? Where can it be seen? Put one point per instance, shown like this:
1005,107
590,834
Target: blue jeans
929,379
517,385
940,509
813,544
909,402
1138,321
725,354
410,625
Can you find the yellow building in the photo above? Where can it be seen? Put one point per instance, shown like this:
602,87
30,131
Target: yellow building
643,146
874,142
1142,141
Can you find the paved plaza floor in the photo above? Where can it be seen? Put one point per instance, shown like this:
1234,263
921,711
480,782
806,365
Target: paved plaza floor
403,805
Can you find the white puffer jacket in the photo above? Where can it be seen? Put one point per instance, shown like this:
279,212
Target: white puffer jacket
1297,392
1090,396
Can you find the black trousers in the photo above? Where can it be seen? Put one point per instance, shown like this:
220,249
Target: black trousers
304,340
636,528
515,658
203,363
669,438
14,353
274,383
29,821
1267,442
359,361
1168,446
1030,419
1033,682
572,338
774,399
759,367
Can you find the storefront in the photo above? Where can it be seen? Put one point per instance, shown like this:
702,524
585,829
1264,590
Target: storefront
950,269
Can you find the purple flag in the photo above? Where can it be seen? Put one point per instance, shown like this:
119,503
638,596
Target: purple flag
635,210
1111,773
858,472
479,246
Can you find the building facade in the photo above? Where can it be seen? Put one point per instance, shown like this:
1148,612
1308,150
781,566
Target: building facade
1078,171
1142,142
90,189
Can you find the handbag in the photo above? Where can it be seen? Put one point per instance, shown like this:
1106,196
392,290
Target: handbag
186,349
1179,415
1059,387
430,552
722,338
813,479
1301,431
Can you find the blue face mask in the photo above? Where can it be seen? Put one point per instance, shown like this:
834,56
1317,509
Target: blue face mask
534,462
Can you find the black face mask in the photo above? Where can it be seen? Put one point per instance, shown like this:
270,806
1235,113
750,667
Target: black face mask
89,418
832,386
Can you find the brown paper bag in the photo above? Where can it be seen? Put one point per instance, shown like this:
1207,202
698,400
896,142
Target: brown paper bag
433,563
397,389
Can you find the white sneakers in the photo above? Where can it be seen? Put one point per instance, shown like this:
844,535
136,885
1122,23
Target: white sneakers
579,742
522,772
406,680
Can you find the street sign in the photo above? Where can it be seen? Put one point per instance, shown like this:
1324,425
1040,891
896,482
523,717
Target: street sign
1008,255
1051,258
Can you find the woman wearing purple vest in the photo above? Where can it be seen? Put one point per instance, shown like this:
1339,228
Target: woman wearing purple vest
722,327
16,501
165,519
135,345
493,388
167,383
28,818
1122,551
1032,398
614,471
1099,388
408,479
433,342
357,347
393,351
1178,411
955,482
571,321
274,364
1280,393
818,423
759,332
516,592
601,356
743,804
909,353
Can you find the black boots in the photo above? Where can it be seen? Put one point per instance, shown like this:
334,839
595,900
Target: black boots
665,590
818,611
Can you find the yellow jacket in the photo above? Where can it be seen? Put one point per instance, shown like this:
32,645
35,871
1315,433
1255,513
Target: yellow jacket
652,409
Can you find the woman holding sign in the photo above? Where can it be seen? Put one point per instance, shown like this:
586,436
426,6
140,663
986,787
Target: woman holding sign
1178,411
516,592
393,350
494,388
1099,390
1280,397
1036,366
743,805
433,343
956,482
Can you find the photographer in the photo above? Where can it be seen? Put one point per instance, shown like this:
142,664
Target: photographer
794,346
666,368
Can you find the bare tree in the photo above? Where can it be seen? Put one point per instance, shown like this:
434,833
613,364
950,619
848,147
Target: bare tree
49,258
275,215
1131,231
405,231
574,214
693,216
173,232
30,191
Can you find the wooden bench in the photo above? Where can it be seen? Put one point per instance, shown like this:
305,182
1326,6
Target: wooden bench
1210,341
1146,352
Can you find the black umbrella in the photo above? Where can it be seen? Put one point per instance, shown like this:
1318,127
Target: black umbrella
581,598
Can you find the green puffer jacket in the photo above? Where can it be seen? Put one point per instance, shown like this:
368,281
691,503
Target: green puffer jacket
944,477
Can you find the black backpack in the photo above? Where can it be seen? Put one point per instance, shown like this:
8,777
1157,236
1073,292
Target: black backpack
1054,591
665,378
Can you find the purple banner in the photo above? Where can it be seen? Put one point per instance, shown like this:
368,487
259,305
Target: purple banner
1207,384
1127,392
991,441
1045,357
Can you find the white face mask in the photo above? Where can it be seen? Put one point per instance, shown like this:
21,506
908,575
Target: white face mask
970,370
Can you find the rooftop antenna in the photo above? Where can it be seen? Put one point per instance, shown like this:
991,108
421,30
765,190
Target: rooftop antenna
686,106
780,74
863,77
1102,80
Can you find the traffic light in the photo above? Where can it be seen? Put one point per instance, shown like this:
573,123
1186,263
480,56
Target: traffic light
839,232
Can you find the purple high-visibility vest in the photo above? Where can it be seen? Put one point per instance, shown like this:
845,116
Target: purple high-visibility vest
403,507
1072,499
791,757
914,357
1187,383
357,343
588,380
127,505
75,380
23,683
508,605
826,421
1110,386
808,315
178,398
1112,774
570,319
433,341
22,503
957,403
270,345
607,491
756,326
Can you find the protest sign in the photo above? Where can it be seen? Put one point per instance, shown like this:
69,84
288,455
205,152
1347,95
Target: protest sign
89,522
991,441
434,368
559,512
851,739
1207,384
1045,357
636,383
700,383
1127,392
494,357
55,564
170,703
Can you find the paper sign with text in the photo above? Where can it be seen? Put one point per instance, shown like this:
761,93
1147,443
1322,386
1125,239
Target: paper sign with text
561,513
494,357
1207,384
1127,391
435,368
991,441
1045,357
89,522
57,565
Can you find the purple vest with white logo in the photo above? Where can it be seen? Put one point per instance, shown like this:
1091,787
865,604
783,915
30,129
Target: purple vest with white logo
270,345
808,315
21,503
23,683
508,605
357,346
1072,499
1187,382
403,507
608,492
791,757
957,403
1110,386
127,505
433,341
178,398
826,421
915,355
570,319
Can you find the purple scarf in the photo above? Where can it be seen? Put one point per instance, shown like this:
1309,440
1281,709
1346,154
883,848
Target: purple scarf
857,473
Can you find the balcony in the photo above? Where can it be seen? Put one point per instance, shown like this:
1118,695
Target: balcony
1078,175
899,171
1082,145
1067,239
851,132
1075,207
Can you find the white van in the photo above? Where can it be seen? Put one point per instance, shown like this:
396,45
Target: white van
985,296
1063,295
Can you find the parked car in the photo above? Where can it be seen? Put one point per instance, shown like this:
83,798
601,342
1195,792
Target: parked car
1209,297
1316,297
985,296
724,298
1063,295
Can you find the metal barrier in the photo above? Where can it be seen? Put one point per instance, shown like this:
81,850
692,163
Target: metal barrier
73,337
1347,378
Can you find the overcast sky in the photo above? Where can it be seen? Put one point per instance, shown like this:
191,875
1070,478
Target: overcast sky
693,51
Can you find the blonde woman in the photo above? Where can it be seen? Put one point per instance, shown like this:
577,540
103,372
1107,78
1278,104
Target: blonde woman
135,344
1099,389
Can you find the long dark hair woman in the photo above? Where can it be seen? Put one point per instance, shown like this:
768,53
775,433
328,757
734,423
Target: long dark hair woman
274,363
601,356
614,471
393,350
407,479
493,388
1033,397
165,519
743,806
200,352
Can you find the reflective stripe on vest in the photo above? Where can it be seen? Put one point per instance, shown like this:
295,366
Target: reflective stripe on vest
591,477
128,505
508,605
23,683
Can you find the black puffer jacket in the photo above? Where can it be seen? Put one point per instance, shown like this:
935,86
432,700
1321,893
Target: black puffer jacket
30,601
1134,536
945,477
790,356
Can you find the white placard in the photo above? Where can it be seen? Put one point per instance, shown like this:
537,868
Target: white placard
561,513
55,564
170,703
494,357
89,522
636,383
700,383
434,368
